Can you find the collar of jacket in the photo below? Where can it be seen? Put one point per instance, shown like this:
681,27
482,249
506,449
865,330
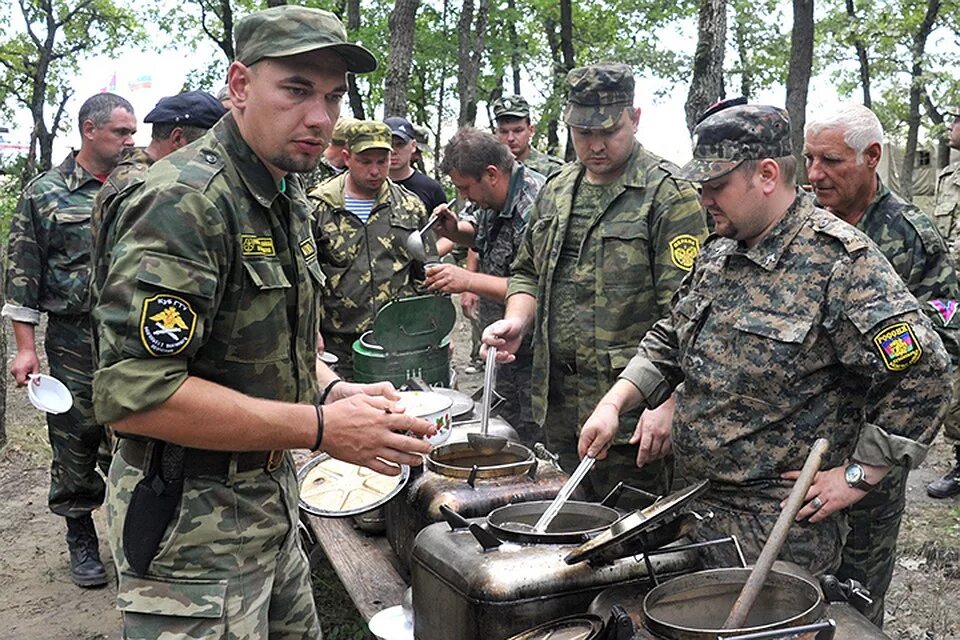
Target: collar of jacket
767,253
249,167
332,192
74,175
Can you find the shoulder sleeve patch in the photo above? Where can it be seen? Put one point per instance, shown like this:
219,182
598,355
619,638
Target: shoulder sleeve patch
946,309
683,250
898,346
167,324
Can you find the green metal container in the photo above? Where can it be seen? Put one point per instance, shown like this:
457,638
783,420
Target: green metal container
410,337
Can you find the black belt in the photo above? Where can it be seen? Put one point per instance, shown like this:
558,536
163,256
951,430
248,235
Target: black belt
204,463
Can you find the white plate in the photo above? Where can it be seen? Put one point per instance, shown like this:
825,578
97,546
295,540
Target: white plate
48,394
395,623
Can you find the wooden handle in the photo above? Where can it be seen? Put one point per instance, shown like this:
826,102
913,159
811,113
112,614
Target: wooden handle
753,585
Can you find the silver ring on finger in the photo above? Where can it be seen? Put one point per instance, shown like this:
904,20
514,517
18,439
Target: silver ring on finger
817,503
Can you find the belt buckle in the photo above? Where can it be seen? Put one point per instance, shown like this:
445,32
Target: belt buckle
274,460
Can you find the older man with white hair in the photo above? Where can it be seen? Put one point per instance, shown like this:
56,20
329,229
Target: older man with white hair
842,150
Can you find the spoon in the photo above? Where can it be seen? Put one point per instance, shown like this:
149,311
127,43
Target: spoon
415,239
564,494
482,442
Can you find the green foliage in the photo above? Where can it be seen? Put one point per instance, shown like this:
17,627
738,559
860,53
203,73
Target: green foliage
10,170
761,43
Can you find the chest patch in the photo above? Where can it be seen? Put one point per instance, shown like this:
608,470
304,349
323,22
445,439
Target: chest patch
683,250
898,346
308,248
946,309
167,324
251,245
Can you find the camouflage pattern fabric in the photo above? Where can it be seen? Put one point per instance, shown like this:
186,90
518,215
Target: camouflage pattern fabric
598,94
544,164
215,275
231,574
366,265
635,253
909,240
497,240
947,211
48,270
513,106
772,347
321,174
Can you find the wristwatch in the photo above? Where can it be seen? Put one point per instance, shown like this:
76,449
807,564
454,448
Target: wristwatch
856,477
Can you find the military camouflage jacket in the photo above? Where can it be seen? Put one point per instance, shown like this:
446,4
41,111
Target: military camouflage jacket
544,164
947,211
500,233
48,255
809,334
321,174
214,274
130,171
366,265
920,257
637,250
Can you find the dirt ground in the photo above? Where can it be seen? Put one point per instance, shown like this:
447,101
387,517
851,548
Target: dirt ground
38,601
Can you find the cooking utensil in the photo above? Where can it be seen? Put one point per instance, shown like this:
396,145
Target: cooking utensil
46,393
754,584
579,474
415,239
483,441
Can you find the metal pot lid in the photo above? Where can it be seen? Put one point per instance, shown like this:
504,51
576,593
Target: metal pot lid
462,403
584,626
332,488
411,324
636,523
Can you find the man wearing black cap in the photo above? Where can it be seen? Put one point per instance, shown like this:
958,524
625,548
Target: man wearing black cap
401,169
207,324
177,121
789,319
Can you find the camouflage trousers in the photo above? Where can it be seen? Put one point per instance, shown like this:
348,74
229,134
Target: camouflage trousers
561,431
870,552
229,566
513,385
815,547
79,444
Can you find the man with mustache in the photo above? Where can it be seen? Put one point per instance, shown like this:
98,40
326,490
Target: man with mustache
609,239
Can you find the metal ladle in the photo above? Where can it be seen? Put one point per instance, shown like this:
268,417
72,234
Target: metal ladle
483,442
564,494
415,239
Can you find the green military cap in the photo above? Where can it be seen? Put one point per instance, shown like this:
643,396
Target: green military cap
288,30
340,130
369,134
598,95
953,111
722,141
510,107
422,136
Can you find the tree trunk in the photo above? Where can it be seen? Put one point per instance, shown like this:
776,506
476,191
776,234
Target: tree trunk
353,92
916,91
740,28
943,145
514,45
569,62
472,35
798,77
706,85
553,41
862,58
402,31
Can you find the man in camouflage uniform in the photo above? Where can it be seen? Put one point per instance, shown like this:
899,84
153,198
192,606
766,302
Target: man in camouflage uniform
513,128
501,192
362,222
789,321
610,238
947,217
207,326
177,121
331,162
48,271
842,150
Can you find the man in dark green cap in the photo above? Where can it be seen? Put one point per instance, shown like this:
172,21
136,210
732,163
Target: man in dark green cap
207,328
512,126
789,319
609,240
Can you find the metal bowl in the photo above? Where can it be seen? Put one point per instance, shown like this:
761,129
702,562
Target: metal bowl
575,522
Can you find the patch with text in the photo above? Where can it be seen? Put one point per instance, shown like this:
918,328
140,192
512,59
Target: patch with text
898,346
167,324
251,245
683,250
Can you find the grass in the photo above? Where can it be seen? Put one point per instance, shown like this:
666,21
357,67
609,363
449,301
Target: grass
339,619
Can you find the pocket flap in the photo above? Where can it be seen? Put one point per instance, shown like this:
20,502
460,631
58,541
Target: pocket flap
620,356
164,596
177,274
71,215
624,229
774,326
266,274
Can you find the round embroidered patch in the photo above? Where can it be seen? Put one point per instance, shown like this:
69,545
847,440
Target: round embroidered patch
683,250
898,346
166,324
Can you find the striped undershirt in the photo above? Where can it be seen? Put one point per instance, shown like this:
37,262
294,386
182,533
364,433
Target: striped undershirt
359,207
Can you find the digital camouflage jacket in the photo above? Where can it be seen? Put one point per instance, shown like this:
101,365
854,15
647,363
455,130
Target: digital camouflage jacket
636,252
48,254
214,274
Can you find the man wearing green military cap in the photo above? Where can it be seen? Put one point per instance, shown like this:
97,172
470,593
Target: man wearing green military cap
609,240
512,126
331,162
362,223
208,323
789,319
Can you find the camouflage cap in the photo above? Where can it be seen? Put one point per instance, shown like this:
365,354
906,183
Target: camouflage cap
722,141
952,111
340,130
598,95
368,134
288,30
422,134
510,107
